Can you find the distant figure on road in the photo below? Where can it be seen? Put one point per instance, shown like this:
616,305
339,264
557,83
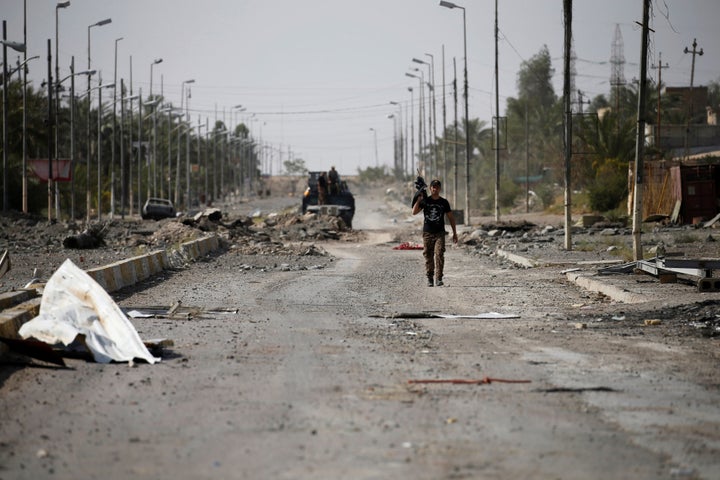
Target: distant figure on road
334,181
434,208
322,184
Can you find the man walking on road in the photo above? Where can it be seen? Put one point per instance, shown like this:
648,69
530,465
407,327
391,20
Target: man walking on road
434,208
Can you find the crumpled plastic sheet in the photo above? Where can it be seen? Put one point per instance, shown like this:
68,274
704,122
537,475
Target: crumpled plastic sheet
74,304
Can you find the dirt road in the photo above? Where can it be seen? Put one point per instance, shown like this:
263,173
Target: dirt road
302,371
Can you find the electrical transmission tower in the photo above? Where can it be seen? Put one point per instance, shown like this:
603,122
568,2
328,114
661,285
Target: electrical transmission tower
617,61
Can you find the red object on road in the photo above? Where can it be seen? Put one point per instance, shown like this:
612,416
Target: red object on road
408,246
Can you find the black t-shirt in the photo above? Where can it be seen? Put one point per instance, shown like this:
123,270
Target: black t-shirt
434,211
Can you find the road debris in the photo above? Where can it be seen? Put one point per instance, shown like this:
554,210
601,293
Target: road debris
482,316
92,237
462,381
575,389
4,263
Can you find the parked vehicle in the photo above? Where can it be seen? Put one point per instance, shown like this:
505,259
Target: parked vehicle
157,208
339,202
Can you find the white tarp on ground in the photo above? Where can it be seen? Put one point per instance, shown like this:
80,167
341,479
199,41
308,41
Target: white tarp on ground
74,304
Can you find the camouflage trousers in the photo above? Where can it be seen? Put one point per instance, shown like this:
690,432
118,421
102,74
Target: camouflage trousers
434,253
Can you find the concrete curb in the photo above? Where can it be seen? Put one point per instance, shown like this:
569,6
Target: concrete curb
121,274
24,305
615,293
518,259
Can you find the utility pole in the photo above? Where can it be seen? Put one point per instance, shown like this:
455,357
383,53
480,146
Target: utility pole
567,7
659,67
444,120
455,137
640,139
497,123
50,128
693,52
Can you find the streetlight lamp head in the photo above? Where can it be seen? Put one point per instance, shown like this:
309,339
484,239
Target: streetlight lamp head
63,5
443,3
103,22
189,81
17,46
417,60
410,75
157,60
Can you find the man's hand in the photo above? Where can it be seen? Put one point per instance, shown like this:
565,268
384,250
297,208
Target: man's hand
455,237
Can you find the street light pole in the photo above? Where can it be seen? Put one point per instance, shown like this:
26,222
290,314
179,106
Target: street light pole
99,148
24,120
72,130
87,158
421,80
400,172
56,124
112,139
18,47
431,113
154,151
451,5
377,164
434,117
177,173
412,132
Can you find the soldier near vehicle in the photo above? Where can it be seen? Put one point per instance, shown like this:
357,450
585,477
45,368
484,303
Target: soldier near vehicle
434,208
333,181
322,185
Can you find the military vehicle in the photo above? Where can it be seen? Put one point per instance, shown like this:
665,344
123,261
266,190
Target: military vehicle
339,201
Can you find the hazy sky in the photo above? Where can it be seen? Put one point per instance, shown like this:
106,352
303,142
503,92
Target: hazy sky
319,74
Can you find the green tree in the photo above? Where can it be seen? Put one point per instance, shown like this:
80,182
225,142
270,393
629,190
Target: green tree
295,167
534,123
